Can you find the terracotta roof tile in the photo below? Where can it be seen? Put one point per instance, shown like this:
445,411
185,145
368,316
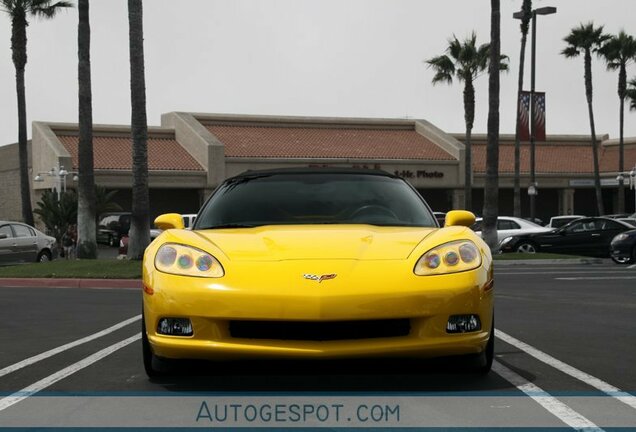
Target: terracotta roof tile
555,158
114,153
312,142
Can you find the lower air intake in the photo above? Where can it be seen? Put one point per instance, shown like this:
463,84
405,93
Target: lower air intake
320,331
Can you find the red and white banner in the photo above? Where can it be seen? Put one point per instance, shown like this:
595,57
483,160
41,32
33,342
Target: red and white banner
524,116
539,116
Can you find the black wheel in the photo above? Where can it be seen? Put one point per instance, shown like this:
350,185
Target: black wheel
627,260
44,256
526,247
488,355
153,365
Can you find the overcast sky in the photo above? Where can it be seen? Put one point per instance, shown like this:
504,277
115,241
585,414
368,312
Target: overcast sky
352,58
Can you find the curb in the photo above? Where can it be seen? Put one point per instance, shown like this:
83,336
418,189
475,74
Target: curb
70,283
548,261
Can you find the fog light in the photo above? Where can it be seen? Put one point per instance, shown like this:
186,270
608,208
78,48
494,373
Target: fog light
463,323
175,327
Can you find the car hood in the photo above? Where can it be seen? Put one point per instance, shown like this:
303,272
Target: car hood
276,243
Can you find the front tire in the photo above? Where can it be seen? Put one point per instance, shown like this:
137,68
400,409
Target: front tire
527,247
627,260
154,366
44,256
488,355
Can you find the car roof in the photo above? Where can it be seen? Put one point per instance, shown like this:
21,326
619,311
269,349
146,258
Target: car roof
567,216
14,222
312,170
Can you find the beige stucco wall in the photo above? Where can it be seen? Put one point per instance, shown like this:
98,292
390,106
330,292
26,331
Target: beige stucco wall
10,200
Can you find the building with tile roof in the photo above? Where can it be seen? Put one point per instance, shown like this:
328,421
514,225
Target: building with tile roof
191,153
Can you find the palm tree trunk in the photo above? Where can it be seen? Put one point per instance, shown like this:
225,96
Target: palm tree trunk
491,190
622,90
588,94
469,116
19,54
87,244
140,223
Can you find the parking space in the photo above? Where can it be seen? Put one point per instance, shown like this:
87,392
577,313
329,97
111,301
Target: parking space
564,358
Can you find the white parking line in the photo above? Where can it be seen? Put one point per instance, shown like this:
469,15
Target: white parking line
595,278
586,378
54,351
557,408
67,371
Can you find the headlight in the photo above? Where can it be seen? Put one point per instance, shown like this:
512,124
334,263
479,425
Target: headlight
452,257
506,241
620,237
187,261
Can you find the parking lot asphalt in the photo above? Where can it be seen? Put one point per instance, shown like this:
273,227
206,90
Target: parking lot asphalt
564,358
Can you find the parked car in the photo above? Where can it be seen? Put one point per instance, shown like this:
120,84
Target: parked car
112,226
559,221
586,236
617,215
281,266
123,242
630,221
508,226
623,247
21,243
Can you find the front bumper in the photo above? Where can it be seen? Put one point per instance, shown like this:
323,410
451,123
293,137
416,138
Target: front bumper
621,250
210,304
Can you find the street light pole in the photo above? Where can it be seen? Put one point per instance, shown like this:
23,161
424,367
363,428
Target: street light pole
632,184
532,190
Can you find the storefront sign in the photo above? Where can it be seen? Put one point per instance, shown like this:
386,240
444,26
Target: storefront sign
407,174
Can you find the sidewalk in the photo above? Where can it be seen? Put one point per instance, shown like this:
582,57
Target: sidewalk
70,283
571,261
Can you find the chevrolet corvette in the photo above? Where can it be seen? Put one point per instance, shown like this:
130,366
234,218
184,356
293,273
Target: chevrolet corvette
317,263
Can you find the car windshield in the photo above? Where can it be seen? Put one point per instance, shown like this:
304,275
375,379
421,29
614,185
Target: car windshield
314,198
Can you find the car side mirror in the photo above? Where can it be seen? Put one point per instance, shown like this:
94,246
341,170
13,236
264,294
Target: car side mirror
3,236
169,221
459,218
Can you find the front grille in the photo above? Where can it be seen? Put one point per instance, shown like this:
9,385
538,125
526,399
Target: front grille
320,331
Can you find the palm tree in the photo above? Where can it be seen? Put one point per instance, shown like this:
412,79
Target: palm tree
87,241
631,94
526,16
57,211
104,201
618,52
18,11
491,190
465,61
587,40
140,224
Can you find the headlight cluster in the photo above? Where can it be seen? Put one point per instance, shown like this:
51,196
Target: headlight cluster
620,237
452,257
506,241
187,261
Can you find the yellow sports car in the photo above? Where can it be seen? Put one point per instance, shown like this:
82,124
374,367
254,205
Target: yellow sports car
317,263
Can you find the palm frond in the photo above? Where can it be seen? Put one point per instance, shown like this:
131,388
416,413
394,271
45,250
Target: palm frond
44,8
444,69
570,52
618,50
631,94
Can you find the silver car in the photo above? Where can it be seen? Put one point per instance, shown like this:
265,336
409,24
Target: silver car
21,243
